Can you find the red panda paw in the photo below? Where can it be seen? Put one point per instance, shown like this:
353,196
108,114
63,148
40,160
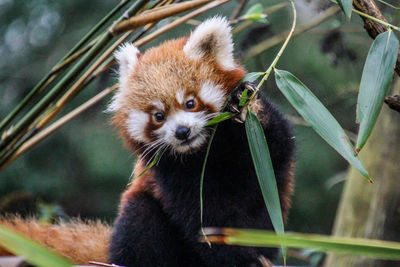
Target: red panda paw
239,98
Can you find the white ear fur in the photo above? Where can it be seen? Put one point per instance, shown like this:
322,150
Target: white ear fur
212,37
127,57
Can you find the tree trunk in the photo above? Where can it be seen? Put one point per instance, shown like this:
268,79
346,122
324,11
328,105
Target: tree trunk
372,210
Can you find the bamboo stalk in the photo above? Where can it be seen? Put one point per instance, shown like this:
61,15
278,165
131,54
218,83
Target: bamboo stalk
267,11
85,78
66,97
261,47
72,58
152,16
179,21
53,127
68,78
50,76
236,13
111,61
76,88
22,147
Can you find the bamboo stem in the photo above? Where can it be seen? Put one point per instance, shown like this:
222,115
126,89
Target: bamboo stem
278,56
50,76
72,58
86,77
104,62
53,127
76,88
152,16
111,61
238,10
267,11
67,79
261,47
179,21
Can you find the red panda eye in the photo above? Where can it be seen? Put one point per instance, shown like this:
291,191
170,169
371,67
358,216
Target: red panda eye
190,104
159,117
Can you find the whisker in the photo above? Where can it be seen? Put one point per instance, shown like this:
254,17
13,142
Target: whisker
151,146
164,147
154,154
148,144
148,151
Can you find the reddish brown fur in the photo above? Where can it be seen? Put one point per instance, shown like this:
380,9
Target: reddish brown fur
145,183
285,194
160,73
78,241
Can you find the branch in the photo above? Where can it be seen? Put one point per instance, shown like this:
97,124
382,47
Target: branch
156,15
238,10
63,120
374,28
274,40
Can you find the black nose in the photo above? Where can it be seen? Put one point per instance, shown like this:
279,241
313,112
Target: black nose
182,132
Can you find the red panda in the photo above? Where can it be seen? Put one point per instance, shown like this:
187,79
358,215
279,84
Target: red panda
165,98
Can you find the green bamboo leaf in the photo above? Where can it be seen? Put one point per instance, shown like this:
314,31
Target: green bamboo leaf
375,83
32,252
261,18
243,98
346,6
254,9
264,170
258,238
221,117
320,119
252,76
152,163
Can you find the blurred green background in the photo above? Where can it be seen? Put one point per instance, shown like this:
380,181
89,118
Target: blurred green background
82,168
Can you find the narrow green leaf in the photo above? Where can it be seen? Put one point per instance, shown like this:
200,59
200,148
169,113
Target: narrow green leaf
203,171
265,172
346,6
364,247
319,118
375,82
252,76
243,98
152,163
32,252
221,117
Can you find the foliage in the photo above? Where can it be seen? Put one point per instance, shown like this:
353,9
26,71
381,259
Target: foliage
366,247
375,83
300,97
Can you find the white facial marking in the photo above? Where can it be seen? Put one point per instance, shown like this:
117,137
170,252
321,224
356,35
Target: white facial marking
180,95
115,103
159,105
136,124
195,121
212,94
217,32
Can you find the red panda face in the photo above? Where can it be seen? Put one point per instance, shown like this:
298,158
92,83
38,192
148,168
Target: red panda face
169,93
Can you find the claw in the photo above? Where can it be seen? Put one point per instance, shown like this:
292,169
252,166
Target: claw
233,105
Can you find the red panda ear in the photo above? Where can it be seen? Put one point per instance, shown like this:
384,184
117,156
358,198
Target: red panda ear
212,38
127,56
